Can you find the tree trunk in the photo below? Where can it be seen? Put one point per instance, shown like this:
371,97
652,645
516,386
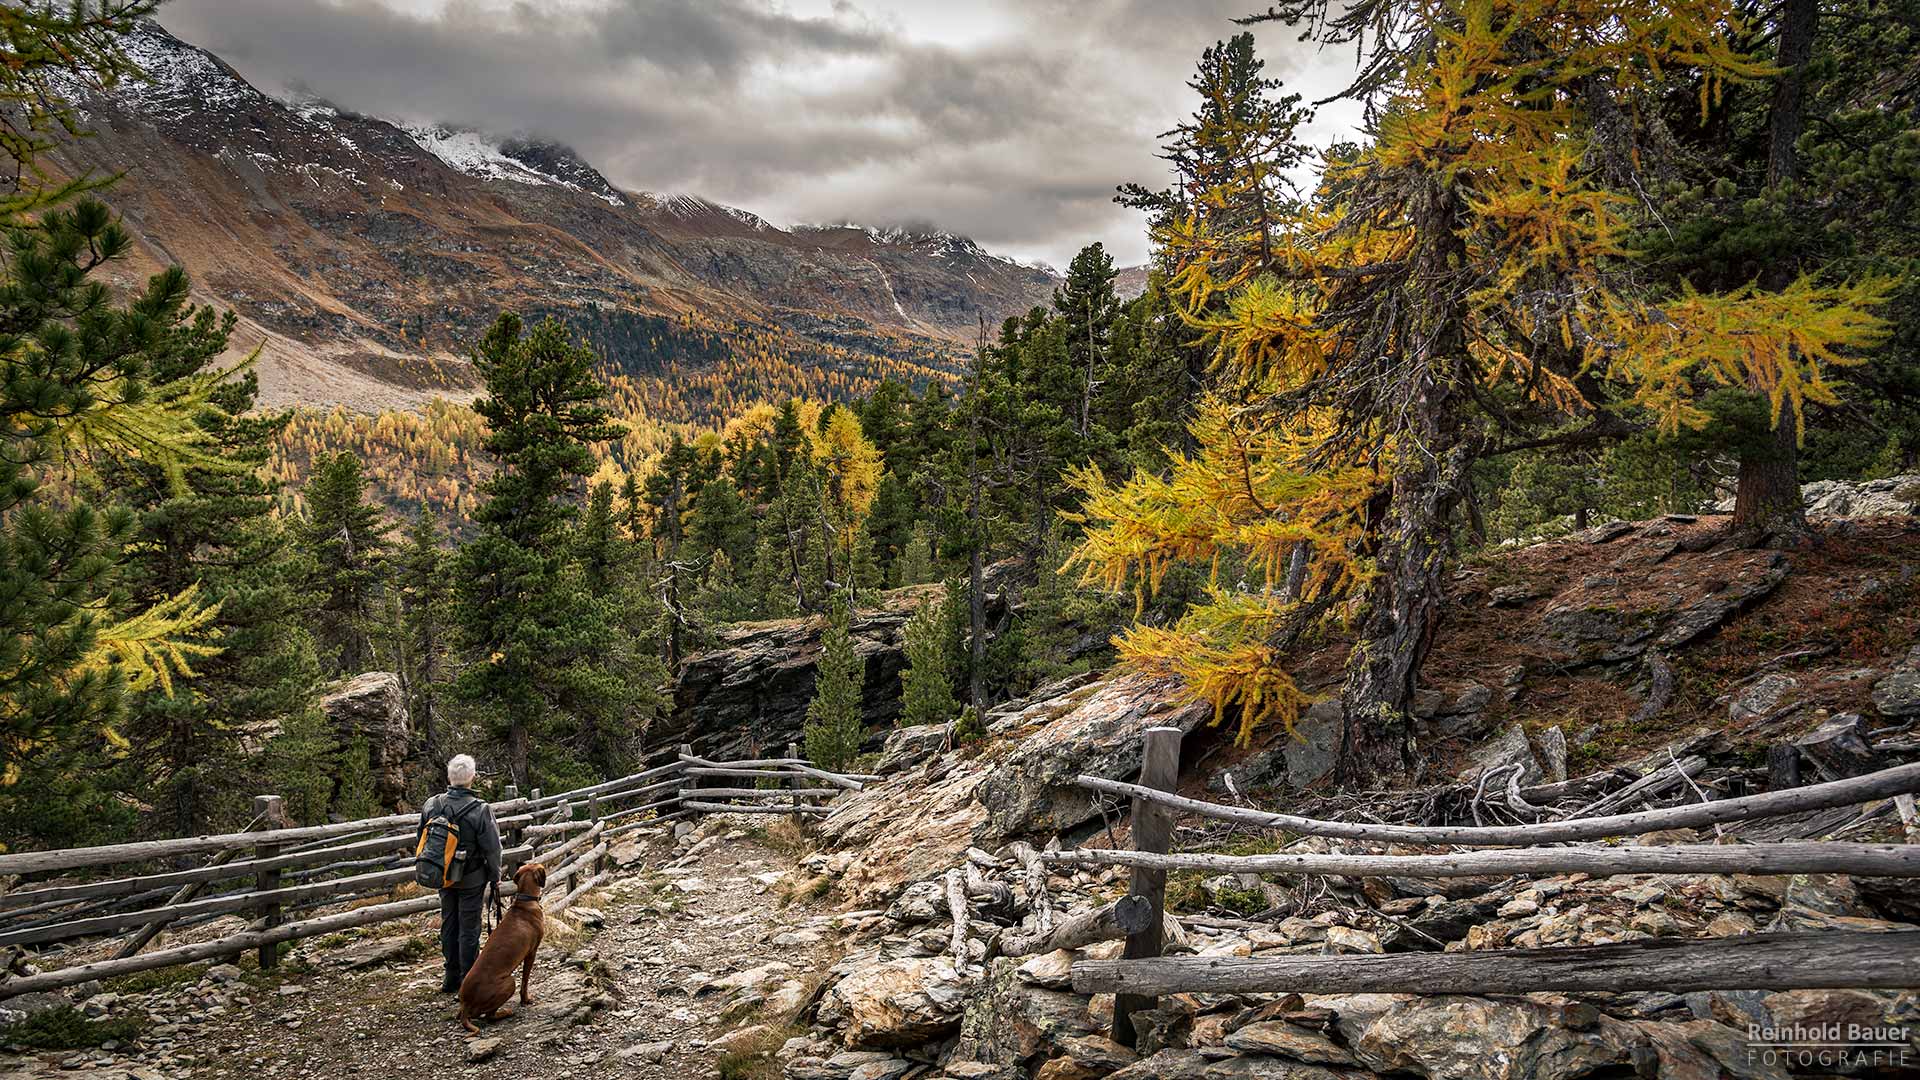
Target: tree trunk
1767,498
977,625
517,752
1430,477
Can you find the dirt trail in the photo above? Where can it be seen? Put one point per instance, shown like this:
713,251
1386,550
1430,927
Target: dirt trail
690,946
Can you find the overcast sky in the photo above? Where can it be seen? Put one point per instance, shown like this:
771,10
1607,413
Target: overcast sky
1010,121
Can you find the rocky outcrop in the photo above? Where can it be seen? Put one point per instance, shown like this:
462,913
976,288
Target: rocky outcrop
1888,497
749,696
373,707
1020,783
1608,619
1067,731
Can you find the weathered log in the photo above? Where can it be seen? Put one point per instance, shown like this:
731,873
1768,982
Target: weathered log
729,772
534,832
580,794
750,808
238,901
266,883
76,908
647,823
187,954
639,792
1902,779
552,859
1653,783
1128,915
36,862
956,885
850,783
1038,899
1594,782
1807,961
581,864
698,766
1152,829
767,793
634,811
578,891
994,899
1516,801
1884,860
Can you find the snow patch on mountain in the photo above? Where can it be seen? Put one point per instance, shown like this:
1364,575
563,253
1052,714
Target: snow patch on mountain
479,156
693,208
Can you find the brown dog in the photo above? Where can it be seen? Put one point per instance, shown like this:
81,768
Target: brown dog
512,944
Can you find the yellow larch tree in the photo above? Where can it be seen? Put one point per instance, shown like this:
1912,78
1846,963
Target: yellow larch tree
1461,280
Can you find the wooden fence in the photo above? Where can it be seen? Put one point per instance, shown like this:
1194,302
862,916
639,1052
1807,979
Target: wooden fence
136,890
1810,960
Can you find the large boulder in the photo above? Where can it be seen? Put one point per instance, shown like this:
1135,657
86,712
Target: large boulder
1473,1038
1096,730
373,707
901,1002
1014,1024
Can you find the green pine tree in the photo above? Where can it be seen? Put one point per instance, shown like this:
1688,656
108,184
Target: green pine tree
421,633
926,687
546,660
346,541
218,532
833,730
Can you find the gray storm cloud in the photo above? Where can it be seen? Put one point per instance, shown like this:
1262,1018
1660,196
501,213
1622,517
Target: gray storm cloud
1011,124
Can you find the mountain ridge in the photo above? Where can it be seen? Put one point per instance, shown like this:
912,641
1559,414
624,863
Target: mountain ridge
364,255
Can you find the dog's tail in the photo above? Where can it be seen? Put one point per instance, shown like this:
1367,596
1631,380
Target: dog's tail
466,1019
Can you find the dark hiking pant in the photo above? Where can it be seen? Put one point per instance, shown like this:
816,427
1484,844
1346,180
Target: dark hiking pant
460,930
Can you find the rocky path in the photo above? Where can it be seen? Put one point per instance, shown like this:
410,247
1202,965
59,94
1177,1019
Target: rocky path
688,956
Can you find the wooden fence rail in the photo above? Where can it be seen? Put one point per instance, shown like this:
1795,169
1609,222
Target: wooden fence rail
1758,962
293,869
1800,961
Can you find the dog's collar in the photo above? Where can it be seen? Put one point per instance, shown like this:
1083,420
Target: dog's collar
518,897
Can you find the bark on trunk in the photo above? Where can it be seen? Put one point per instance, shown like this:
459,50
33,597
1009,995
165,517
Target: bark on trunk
1430,477
518,740
1767,500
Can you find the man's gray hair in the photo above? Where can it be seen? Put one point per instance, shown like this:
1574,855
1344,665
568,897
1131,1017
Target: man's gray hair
460,770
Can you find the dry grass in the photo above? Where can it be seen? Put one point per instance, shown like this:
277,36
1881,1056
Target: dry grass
753,1059
786,837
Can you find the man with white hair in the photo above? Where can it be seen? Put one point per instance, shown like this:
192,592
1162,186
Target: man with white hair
459,852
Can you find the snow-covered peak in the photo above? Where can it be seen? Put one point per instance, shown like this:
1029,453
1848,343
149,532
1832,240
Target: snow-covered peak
520,161
696,208
180,80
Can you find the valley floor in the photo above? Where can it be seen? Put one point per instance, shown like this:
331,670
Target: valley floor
691,945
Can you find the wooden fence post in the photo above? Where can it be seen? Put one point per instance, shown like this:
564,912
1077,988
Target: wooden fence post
593,814
796,781
511,838
1152,831
687,783
272,810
